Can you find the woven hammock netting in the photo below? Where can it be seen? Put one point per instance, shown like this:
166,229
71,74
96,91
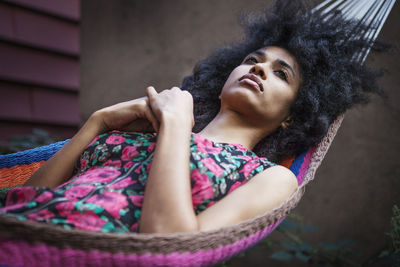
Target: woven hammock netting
38,244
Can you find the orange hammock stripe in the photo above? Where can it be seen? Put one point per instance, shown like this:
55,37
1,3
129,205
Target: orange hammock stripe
19,174
287,162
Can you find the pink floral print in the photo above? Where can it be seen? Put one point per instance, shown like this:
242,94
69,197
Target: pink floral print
128,165
129,152
107,191
137,200
111,201
202,189
113,163
235,185
93,141
115,140
213,166
45,197
65,208
101,175
86,221
41,215
20,195
77,192
249,167
124,183
206,146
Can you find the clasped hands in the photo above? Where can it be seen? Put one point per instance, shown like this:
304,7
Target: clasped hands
147,114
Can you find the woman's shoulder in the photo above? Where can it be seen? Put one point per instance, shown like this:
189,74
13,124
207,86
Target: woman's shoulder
266,191
277,174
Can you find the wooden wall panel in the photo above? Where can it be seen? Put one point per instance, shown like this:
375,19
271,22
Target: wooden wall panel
6,21
24,27
15,102
55,107
39,105
26,65
39,67
69,9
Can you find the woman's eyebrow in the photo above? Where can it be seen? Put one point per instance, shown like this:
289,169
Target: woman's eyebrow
279,61
260,53
286,65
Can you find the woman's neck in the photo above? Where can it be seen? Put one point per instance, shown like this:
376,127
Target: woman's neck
230,127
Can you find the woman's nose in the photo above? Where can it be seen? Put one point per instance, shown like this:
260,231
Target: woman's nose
258,70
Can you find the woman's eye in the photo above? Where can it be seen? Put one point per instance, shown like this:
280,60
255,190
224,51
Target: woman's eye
251,59
281,74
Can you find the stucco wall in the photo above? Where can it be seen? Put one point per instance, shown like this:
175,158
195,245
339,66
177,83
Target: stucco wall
128,45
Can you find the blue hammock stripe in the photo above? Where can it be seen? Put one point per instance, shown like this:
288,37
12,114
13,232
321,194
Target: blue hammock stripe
297,162
31,155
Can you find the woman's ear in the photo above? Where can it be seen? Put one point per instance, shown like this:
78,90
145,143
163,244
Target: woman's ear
286,123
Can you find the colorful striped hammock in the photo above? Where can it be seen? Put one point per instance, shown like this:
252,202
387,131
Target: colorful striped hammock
29,244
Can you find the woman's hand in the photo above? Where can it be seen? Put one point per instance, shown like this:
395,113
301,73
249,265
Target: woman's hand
174,104
167,203
133,115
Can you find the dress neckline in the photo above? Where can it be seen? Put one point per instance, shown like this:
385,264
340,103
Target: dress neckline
239,146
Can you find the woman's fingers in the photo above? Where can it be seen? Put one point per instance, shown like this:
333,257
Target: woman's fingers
151,93
152,118
133,115
170,104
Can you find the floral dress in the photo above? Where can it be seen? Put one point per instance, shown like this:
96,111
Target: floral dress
106,191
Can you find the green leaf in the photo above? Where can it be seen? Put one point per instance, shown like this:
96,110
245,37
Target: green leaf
384,254
282,256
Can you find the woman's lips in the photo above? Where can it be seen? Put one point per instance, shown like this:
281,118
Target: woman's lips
252,80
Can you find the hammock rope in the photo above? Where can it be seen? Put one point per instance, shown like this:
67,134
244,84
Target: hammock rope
24,243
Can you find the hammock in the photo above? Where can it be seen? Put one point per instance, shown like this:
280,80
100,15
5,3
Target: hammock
30,244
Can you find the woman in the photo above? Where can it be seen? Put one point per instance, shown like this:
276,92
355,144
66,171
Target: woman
279,90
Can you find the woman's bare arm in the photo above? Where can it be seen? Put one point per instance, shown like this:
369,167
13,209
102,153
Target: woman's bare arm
264,192
134,115
167,205
59,167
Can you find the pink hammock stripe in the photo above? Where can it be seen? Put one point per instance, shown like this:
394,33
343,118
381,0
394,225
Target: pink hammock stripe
304,166
21,253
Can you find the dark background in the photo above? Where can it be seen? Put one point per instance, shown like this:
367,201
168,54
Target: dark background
129,45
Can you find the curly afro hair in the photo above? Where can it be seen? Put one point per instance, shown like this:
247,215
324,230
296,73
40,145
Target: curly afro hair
331,81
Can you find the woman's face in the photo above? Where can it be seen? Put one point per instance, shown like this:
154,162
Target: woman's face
263,87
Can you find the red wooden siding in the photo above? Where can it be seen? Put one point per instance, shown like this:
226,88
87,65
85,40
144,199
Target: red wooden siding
40,31
69,9
28,65
39,105
39,67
